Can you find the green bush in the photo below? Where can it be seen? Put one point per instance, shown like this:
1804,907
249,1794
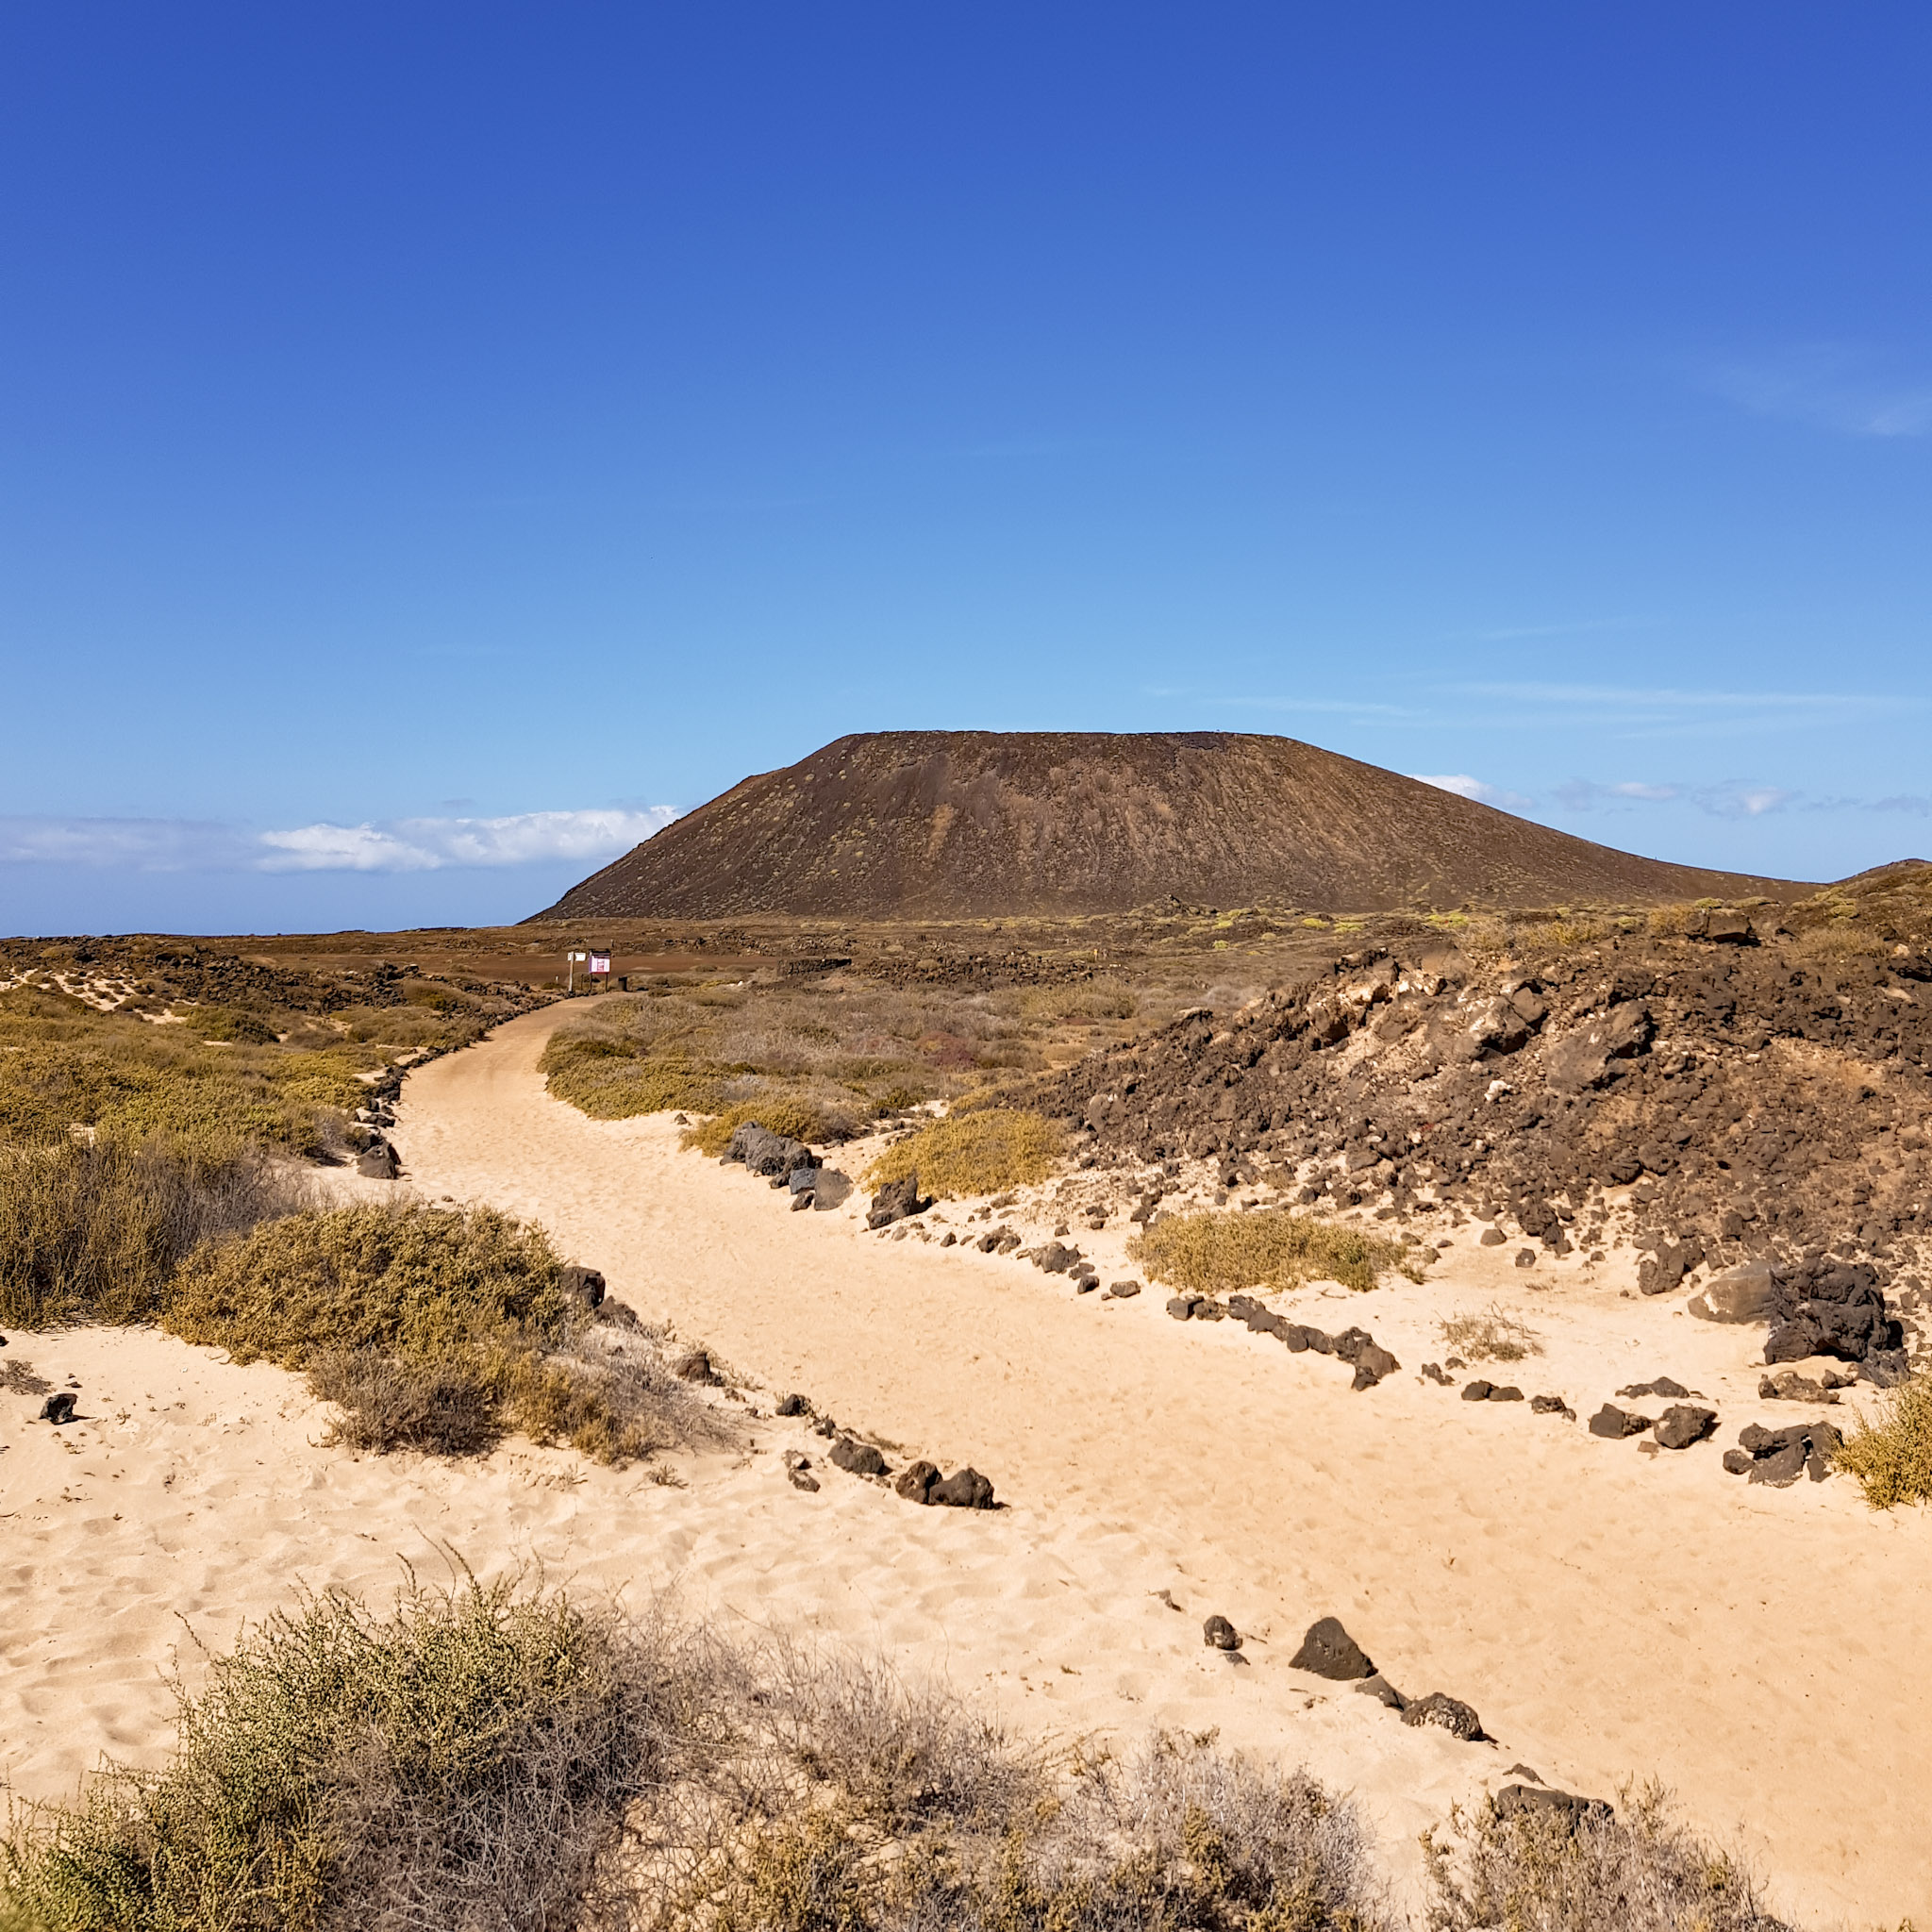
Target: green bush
1265,1247
1890,1457
979,1151
435,1329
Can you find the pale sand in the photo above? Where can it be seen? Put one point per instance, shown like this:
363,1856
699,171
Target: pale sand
1610,1614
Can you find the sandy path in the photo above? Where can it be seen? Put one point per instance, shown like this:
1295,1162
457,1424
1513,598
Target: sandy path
1611,1615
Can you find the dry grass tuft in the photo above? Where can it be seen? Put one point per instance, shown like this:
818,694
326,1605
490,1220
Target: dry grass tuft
94,1233
983,1151
776,1114
1639,1872
1890,1457
1269,1247
1490,1337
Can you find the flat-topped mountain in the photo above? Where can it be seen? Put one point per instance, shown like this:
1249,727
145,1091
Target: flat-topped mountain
986,823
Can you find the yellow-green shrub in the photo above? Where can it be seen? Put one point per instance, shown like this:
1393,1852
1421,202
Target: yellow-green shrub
981,1152
1890,1457
1267,1247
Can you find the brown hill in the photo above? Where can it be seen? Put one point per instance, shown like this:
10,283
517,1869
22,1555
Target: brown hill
981,823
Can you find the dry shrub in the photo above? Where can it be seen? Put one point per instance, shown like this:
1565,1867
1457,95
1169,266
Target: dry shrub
1639,1872
1835,944
1083,999
94,1233
1892,1457
441,1406
777,1113
1490,1337
436,1329
463,1763
65,1064
1267,1247
983,1151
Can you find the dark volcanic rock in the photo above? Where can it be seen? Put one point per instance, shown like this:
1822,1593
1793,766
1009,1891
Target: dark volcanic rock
965,1489
916,1481
894,1201
1217,1633
1614,1423
773,1155
1329,1651
858,1458
59,1408
1534,1801
583,1284
1449,1713
794,1405
1684,1424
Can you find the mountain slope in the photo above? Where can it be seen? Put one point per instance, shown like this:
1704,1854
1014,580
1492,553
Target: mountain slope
984,824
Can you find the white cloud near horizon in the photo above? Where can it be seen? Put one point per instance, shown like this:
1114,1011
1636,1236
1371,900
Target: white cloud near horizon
1465,786
394,845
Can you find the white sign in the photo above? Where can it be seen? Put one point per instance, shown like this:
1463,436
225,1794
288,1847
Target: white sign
600,962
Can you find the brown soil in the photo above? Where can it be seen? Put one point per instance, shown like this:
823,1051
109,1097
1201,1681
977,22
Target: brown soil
986,824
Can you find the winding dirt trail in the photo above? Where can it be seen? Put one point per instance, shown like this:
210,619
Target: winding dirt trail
1611,1615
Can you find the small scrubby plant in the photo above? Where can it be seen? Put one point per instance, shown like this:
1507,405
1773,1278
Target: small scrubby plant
1490,1337
466,1762
1890,1456
433,1329
1269,1247
778,1113
983,1151
1538,1870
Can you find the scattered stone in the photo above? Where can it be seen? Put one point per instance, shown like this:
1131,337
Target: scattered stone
965,1489
1217,1633
1507,1392
1614,1423
59,1408
794,1405
915,1481
1371,1364
378,1162
804,1479
1525,1258
1738,1295
1662,1386
1539,1800
1492,1237
1780,1457
1449,1713
894,1201
1056,1257
1329,1651
1789,1386
1123,1290
773,1155
1476,1389
1551,1405
1382,1688
858,1458
695,1365
1182,1307
1432,1372
582,1283
1682,1424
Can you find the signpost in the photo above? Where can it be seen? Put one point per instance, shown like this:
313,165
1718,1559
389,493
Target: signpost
596,968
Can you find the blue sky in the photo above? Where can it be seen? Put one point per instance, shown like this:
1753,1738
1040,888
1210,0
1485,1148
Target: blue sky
437,442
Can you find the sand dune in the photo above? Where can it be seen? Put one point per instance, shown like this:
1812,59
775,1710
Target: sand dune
1611,1615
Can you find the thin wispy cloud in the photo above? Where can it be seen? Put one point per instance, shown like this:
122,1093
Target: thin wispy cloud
1731,800
1831,385
395,846
1465,786
1665,711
